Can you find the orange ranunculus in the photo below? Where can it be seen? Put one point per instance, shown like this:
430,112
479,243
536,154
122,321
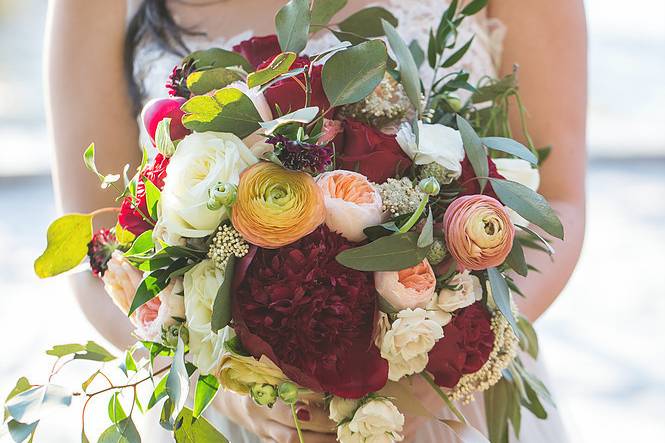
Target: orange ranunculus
478,230
409,288
276,206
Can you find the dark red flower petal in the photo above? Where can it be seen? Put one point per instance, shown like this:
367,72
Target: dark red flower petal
258,49
469,183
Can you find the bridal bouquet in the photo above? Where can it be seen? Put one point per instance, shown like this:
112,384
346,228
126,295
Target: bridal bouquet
318,227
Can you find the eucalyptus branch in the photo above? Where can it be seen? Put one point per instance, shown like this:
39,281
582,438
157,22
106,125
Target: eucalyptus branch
129,385
428,378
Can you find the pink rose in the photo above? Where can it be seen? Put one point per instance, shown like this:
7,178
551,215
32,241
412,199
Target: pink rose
478,231
329,131
121,280
160,312
409,288
352,203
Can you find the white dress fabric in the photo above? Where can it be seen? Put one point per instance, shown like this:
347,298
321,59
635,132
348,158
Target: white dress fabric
416,17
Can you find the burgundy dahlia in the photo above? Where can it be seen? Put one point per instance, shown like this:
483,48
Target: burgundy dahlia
100,248
310,315
177,82
300,156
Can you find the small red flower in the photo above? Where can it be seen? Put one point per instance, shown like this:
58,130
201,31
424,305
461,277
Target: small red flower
100,248
470,185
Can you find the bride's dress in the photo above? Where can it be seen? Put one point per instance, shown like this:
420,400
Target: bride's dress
153,66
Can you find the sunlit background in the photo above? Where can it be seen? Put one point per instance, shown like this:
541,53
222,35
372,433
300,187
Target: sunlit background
603,340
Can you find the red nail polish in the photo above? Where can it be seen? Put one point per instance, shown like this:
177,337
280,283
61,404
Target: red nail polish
303,414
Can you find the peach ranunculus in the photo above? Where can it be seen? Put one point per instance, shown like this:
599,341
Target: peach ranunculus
275,206
478,231
409,288
352,203
160,312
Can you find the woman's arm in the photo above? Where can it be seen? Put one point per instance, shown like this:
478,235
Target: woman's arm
548,41
87,102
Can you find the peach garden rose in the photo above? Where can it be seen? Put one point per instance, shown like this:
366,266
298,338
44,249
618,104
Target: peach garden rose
409,288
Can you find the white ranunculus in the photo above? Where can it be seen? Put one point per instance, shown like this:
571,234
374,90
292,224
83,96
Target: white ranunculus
467,291
200,161
436,144
377,421
256,96
408,341
342,408
522,172
201,284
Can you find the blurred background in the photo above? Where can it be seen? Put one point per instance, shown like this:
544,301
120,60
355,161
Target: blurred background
603,339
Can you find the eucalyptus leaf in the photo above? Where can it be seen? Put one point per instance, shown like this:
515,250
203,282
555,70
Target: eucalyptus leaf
163,141
115,411
158,393
22,385
196,430
304,115
202,82
177,384
501,296
496,407
457,55
34,403
530,342
278,66
349,76
426,237
221,310
206,389
510,146
408,69
292,24
218,58
516,259
391,253
474,6
123,432
86,384
417,53
474,151
63,350
227,110
19,432
367,22
67,241
323,11
529,204
94,352
89,161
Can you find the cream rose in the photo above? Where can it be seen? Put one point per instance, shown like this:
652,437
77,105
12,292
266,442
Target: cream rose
408,341
239,373
161,312
467,290
342,408
200,161
436,144
201,284
377,421
522,172
352,203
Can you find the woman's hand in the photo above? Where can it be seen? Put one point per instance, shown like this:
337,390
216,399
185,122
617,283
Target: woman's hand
276,425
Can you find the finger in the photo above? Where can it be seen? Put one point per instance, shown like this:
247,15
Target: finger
311,417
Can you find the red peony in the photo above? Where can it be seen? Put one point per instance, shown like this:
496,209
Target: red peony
258,49
468,179
310,315
370,152
132,210
465,347
289,95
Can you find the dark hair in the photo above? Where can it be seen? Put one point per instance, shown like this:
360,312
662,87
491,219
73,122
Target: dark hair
152,22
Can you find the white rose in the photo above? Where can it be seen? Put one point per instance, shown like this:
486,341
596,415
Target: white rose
342,408
377,421
201,284
408,341
200,161
467,291
436,144
522,172
346,435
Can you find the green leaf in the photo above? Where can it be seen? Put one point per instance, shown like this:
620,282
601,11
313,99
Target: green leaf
292,73
122,432
202,82
89,380
501,296
89,160
94,352
474,7
22,385
142,244
391,253
151,285
292,25
32,404
67,241
366,23
197,430
163,141
130,363
304,115
408,70
115,411
426,237
515,410
457,55
516,259
510,146
474,150
528,337
351,75
496,407
20,432
495,89
62,350
532,402
323,11
227,110
218,58
177,384
529,241
221,310
432,50
152,195
529,204
158,393
417,53
206,389
278,66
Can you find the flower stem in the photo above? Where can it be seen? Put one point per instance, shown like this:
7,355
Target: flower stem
297,423
428,378
415,217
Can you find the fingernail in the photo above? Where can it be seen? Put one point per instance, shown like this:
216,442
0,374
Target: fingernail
303,414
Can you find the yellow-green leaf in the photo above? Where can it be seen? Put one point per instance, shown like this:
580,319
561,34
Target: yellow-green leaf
278,66
67,244
202,82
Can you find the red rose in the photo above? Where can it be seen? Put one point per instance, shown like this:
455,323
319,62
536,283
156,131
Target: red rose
465,347
258,49
470,185
289,95
310,315
132,210
370,152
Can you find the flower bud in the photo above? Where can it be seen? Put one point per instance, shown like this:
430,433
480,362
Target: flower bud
263,395
454,102
288,393
222,194
437,252
170,335
429,186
